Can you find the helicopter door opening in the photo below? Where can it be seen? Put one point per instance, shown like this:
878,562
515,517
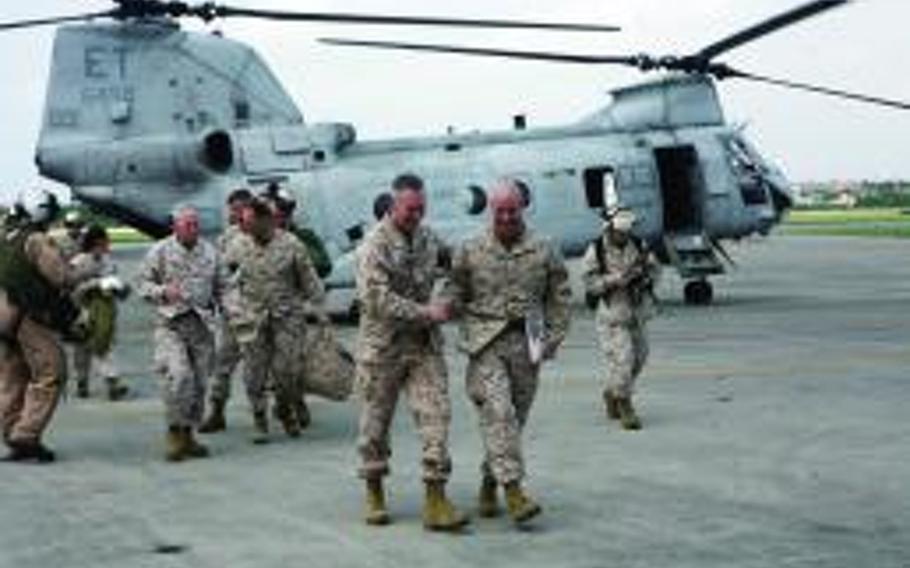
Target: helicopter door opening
600,188
680,187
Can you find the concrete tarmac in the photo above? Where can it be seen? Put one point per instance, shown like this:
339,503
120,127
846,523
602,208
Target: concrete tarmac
775,434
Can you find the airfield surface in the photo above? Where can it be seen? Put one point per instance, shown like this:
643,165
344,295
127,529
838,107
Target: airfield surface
776,434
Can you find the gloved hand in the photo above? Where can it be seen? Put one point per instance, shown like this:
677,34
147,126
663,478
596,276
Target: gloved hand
115,286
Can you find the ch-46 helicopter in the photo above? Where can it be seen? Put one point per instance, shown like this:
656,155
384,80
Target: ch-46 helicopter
140,115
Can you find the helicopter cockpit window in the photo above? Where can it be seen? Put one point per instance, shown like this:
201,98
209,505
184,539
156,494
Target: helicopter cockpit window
748,171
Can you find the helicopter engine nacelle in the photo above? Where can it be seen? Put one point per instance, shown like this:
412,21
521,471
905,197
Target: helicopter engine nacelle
164,158
332,135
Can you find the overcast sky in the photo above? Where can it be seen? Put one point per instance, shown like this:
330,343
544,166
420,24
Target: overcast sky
864,46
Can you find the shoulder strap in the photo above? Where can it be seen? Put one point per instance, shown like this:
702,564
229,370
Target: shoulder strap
600,253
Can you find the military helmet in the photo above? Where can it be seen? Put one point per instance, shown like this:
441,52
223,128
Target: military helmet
281,197
621,219
73,219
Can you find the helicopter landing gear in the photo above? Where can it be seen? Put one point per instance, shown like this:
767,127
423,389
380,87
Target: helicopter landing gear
698,293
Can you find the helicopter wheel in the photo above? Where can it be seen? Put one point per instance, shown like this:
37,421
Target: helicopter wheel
698,293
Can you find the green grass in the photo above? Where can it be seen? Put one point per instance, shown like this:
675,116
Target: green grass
126,235
842,216
865,222
899,231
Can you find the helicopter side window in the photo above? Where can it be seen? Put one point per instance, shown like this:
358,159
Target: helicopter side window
241,112
477,200
525,192
600,188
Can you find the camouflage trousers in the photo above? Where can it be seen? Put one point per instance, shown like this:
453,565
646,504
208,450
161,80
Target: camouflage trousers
227,356
624,346
424,380
184,355
274,357
32,372
502,383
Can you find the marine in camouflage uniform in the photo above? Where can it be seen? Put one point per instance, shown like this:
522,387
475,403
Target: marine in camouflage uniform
183,277
620,273
89,269
283,206
276,280
231,247
507,284
400,349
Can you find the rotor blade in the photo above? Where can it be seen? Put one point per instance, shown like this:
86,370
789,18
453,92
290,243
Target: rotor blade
56,20
903,105
227,11
532,55
768,26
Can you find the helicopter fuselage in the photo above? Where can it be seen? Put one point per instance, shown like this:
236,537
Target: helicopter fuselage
143,116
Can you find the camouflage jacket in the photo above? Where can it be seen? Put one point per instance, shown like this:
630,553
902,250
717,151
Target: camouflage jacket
275,279
492,287
197,271
233,245
227,245
395,280
618,280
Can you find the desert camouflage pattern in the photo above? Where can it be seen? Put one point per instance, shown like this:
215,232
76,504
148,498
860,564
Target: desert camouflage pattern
398,349
276,283
622,312
494,290
184,339
232,245
492,286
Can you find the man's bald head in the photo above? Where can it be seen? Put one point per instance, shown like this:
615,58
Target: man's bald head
185,220
505,191
507,207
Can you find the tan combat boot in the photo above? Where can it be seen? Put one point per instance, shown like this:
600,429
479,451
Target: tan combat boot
487,502
521,507
291,425
439,514
215,422
260,427
193,448
627,417
175,445
115,390
376,512
612,404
